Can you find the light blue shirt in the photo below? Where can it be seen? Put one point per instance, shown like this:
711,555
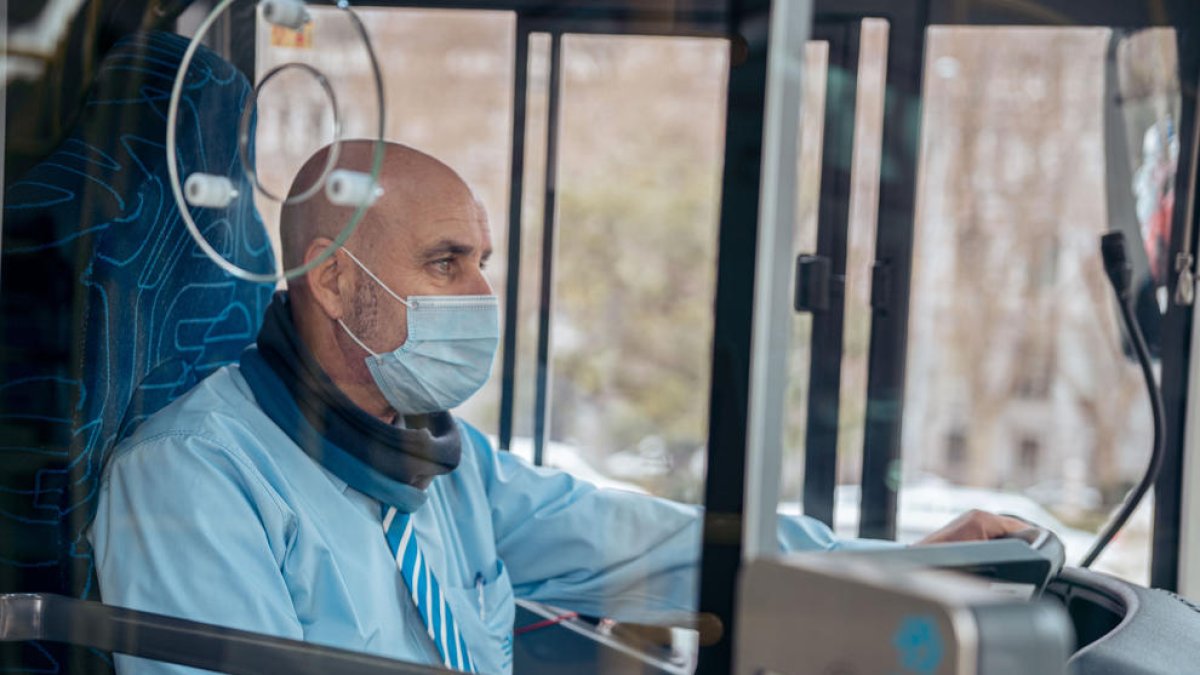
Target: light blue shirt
211,512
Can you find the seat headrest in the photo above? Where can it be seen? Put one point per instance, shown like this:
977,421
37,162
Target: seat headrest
109,310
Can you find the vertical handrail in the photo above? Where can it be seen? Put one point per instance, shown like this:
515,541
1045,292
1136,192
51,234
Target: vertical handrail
772,320
1175,551
733,323
1169,523
541,427
833,224
512,284
892,275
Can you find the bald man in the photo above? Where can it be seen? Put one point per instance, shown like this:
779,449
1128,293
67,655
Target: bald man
321,490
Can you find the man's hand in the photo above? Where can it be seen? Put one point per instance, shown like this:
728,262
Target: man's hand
976,525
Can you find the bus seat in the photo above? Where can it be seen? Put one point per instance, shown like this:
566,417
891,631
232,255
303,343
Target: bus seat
108,308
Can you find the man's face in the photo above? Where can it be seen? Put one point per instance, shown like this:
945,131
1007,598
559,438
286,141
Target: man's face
440,246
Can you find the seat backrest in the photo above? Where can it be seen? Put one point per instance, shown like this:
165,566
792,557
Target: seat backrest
108,308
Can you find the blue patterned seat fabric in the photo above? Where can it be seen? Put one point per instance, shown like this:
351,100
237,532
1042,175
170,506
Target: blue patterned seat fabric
108,308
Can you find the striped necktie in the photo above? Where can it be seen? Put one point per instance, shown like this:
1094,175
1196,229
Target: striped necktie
425,590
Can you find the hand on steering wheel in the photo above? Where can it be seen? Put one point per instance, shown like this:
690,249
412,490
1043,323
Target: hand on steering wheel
976,525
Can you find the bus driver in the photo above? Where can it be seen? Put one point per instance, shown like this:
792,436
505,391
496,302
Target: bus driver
321,489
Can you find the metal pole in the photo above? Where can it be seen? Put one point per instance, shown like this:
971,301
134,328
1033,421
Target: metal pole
1169,490
541,427
790,23
825,356
512,285
891,274
733,323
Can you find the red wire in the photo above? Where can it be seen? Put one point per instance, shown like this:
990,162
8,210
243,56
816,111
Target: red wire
546,623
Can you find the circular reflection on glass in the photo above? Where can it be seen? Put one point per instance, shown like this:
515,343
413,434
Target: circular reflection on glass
173,159
244,134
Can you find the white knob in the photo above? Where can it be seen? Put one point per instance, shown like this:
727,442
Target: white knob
290,14
351,188
209,191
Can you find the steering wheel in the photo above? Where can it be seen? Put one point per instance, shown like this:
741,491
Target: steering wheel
1046,544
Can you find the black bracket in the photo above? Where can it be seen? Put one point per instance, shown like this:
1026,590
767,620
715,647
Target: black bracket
814,276
881,286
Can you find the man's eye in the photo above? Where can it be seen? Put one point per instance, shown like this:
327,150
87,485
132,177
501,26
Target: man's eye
444,264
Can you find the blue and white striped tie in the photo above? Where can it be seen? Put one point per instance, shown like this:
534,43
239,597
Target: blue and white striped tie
425,590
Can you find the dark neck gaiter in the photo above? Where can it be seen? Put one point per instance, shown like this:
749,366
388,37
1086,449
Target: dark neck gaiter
386,462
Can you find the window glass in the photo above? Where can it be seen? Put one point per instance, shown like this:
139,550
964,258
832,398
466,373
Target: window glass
1020,396
638,189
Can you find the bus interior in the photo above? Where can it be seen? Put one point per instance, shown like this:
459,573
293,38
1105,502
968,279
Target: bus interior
838,258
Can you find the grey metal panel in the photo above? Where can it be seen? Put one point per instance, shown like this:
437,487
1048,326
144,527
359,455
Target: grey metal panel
1013,638
816,613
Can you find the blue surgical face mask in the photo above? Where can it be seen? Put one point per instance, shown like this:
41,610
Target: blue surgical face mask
447,355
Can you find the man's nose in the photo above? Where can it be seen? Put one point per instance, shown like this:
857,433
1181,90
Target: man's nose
479,284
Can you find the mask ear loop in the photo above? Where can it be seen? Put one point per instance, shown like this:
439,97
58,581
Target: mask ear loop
355,338
375,278
381,285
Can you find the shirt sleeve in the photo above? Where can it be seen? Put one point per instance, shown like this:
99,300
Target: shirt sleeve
184,527
607,552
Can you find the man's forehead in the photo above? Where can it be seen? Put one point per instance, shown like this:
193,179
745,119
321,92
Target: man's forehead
451,233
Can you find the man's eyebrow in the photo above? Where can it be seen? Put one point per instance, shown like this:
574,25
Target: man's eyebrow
447,247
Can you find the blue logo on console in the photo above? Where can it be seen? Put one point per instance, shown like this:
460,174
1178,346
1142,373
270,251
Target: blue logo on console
918,643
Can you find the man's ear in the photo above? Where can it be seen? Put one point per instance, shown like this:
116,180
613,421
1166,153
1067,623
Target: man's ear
327,282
